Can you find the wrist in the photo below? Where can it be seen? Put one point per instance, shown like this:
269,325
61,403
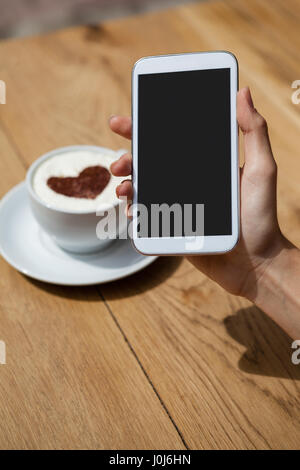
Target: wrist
276,290
270,268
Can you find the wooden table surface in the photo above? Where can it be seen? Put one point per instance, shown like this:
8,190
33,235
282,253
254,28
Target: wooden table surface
164,359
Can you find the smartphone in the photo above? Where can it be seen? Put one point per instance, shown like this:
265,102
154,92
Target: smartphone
185,154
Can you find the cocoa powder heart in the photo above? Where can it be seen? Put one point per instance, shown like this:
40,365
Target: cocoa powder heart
88,184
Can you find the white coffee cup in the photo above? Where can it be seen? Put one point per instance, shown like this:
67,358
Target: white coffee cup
72,230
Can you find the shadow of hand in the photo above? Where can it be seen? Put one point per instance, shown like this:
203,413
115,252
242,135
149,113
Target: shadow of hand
268,348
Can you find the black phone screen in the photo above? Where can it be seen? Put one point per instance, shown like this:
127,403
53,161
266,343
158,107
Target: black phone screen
184,144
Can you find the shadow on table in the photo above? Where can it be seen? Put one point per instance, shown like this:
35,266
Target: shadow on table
268,347
150,277
140,282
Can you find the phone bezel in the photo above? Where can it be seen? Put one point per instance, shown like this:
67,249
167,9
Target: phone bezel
176,63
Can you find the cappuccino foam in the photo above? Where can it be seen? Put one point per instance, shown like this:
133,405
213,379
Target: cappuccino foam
71,164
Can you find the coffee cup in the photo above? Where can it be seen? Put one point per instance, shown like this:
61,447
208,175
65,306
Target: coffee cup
71,218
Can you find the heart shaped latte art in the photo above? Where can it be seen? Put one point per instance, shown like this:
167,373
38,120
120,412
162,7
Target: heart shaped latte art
88,184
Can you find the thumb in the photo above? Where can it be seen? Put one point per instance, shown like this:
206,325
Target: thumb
257,147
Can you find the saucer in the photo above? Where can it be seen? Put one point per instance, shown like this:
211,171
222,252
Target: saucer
25,246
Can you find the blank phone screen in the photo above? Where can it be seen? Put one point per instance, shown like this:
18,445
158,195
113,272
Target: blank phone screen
184,144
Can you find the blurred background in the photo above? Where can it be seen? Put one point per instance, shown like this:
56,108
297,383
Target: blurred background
28,17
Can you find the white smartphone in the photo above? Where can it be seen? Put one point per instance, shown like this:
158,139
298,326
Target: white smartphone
185,154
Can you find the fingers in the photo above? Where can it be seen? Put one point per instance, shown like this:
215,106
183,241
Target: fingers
125,190
123,166
258,153
121,125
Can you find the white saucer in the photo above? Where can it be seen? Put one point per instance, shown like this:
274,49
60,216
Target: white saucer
32,252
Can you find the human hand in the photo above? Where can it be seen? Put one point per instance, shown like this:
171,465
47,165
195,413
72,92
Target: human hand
261,240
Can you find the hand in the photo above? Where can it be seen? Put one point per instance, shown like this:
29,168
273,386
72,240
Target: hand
261,240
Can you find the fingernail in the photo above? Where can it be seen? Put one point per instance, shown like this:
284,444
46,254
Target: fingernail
249,98
111,117
128,211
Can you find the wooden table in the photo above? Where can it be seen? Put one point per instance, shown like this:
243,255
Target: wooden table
165,358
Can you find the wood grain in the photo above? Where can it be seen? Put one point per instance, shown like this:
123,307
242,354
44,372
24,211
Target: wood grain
71,381
165,358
